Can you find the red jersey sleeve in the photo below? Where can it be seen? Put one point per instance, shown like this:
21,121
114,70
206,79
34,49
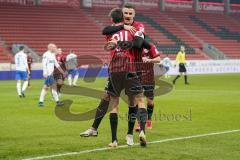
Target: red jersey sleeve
153,52
139,27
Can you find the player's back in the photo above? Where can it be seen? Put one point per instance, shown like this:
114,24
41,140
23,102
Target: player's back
120,59
71,61
21,61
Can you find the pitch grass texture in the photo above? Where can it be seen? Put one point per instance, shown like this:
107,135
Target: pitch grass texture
211,103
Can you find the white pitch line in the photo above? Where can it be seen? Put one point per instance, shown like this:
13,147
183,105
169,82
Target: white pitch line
125,146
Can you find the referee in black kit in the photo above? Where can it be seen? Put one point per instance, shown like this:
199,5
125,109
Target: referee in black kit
181,60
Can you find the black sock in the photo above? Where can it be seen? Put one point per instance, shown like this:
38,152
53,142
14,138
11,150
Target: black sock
176,78
100,113
114,123
185,78
150,111
132,115
142,118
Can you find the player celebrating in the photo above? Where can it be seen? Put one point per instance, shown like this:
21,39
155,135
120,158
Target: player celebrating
181,60
137,29
58,76
72,64
103,106
22,71
147,79
49,61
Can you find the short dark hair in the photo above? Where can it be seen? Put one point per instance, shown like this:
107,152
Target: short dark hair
128,5
116,15
21,48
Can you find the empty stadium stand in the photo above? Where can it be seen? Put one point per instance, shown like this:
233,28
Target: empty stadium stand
166,34
5,56
38,26
80,30
209,27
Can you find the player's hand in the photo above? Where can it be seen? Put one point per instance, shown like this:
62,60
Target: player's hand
130,29
146,60
124,45
110,45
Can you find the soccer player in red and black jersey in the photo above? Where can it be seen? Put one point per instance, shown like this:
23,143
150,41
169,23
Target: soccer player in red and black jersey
122,75
102,108
147,79
29,61
58,76
137,29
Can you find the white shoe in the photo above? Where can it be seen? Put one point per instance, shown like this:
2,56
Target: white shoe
89,132
142,139
129,139
113,144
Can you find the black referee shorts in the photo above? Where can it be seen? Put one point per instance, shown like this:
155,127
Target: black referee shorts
182,67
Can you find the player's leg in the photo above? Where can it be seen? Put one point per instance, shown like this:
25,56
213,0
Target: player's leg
42,94
70,77
180,73
18,85
142,116
75,78
101,110
184,71
19,88
60,82
132,116
47,83
175,79
25,83
134,89
166,73
55,93
149,94
100,113
150,108
114,101
29,78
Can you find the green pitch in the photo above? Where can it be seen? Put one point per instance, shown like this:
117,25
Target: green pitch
210,104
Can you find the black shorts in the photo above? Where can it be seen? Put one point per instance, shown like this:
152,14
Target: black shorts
119,81
109,88
148,91
182,67
58,76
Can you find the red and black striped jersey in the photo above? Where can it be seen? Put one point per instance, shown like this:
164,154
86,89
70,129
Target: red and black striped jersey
61,59
147,72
